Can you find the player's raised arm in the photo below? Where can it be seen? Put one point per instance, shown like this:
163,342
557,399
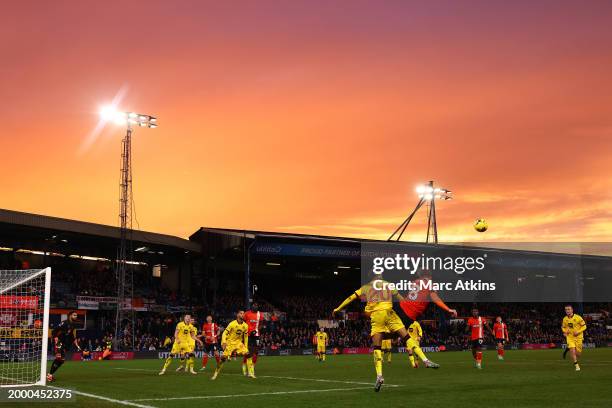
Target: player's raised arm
440,303
347,301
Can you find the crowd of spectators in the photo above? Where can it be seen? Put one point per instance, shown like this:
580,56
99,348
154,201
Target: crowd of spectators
297,326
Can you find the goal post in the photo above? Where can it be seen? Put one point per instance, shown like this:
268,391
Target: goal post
24,326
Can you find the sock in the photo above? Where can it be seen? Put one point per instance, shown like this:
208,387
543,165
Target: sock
250,366
182,362
57,363
217,359
244,360
190,362
220,363
167,363
245,370
378,361
503,352
412,362
479,357
323,356
388,356
419,352
254,359
204,360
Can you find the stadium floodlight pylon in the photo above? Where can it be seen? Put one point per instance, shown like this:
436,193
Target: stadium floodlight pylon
428,194
124,272
24,327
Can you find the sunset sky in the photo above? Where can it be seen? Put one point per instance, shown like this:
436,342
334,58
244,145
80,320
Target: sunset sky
314,117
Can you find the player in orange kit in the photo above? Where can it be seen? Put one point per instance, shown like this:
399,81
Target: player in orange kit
254,318
210,334
501,336
476,324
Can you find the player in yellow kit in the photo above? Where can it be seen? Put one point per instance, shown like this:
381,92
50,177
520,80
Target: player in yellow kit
385,347
573,328
385,323
234,340
413,345
322,342
184,335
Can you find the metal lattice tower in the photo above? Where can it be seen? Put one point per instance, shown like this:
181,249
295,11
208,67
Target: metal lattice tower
428,194
124,271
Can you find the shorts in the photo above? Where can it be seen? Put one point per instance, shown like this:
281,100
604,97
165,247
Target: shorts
211,348
574,342
239,348
320,348
502,341
477,343
182,348
385,321
60,351
253,341
385,345
412,343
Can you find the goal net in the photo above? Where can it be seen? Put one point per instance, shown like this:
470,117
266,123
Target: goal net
24,326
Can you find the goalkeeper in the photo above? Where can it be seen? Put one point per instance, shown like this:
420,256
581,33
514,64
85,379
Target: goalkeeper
63,336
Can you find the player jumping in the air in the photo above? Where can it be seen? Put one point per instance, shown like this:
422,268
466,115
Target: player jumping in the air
385,347
184,345
384,321
477,324
63,336
253,319
413,345
235,340
573,328
414,306
210,332
501,336
321,339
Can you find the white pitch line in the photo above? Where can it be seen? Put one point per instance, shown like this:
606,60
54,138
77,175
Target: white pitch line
324,380
251,395
278,377
100,397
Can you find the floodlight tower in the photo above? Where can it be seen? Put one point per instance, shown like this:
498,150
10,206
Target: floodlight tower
428,194
124,272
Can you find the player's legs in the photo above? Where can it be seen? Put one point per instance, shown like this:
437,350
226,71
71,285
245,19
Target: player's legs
415,348
240,350
321,352
500,349
575,349
253,346
191,361
60,354
477,352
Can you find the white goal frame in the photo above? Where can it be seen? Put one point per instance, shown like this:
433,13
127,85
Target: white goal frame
45,326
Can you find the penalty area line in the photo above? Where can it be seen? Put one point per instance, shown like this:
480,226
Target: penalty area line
251,394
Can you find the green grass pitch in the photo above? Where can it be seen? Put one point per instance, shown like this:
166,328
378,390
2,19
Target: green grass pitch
525,379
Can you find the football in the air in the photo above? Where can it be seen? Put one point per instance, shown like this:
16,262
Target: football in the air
481,225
